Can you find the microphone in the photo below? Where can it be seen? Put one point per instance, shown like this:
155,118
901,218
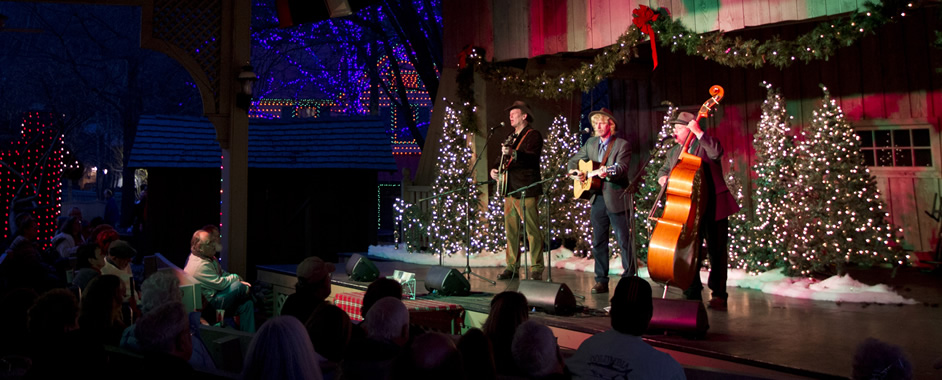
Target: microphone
501,125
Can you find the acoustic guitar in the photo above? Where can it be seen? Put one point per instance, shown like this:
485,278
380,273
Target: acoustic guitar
593,183
675,244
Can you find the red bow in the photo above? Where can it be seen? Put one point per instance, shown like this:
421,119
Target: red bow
643,17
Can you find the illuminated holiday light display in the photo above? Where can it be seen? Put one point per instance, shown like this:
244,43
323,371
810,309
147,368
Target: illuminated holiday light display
448,226
568,217
31,170
649,188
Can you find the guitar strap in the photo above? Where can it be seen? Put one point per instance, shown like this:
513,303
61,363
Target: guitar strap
519,142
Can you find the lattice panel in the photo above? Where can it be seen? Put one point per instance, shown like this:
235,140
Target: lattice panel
196,27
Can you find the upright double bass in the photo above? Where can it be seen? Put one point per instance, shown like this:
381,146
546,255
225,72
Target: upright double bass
675,244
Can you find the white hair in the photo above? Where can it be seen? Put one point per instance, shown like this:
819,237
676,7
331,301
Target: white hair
387,320
534,349
158,289
158,330
281,349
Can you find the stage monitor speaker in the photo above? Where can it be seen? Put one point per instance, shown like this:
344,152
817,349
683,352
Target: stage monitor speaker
359,268
683,316
447,281
552,297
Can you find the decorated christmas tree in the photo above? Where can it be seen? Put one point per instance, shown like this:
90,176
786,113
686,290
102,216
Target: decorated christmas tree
568,217
740,227
448,226
492,237
649,188
833,214
775,170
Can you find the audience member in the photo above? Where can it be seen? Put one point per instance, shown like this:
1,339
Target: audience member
312,289
101,317
536,353
89,260
118,263
875,359
387,332
508,310
163,334
58,349
378,289
477,355
68,239
223,290
112,211
431,356
281,350
630,313
330,330
23,267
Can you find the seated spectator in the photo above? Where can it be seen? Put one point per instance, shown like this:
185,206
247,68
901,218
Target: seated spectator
536,353
118,263
387,332
223,290
281,350
431,356
508,310
477,355
378,289
101,317
878,360
23,267
159,289
630,314
88,264
330,330
58,348
312,289
163,334
68,239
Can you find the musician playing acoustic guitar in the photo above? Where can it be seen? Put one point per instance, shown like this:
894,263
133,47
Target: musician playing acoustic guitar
611,209
521,161
720,204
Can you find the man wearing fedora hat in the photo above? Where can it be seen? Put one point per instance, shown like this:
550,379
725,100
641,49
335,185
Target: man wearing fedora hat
522,165
720,204
612,208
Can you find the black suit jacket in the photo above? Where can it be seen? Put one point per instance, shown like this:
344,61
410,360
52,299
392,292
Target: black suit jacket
524,169
720,203
613,187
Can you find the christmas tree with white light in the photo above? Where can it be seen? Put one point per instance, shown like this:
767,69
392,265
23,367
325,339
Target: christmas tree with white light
649,188
833,214
568,216
448,226
740,227
775,169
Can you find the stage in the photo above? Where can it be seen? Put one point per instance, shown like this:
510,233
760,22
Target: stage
760,336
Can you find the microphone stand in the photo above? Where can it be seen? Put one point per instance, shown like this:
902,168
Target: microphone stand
523,216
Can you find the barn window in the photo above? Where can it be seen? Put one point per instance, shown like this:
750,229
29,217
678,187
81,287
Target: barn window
902,147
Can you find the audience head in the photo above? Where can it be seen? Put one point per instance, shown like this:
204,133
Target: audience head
508,310
104,235
878,360
632,307
330,330
381,288
101,301
121,253
76,213
281,349
98,221
26,226
70,226
214,235
433,356
54,313
158,289
202,245
535,350
388,321
477,355
89,255
165,329
314,276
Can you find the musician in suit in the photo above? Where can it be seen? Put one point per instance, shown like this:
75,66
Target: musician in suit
720,204
612,208
523,154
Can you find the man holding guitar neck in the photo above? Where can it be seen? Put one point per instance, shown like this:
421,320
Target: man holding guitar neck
520,165
611,209
720,204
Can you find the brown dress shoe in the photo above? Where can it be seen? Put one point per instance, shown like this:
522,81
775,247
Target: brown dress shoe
718,304
506,275
536,276
600,287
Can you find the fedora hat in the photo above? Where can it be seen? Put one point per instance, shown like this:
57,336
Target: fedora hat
603,111
682,118
523,107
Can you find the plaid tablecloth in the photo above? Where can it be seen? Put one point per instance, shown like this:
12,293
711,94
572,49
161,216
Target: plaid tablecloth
435,315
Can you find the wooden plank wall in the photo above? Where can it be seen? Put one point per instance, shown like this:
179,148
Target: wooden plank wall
899,88
511,29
